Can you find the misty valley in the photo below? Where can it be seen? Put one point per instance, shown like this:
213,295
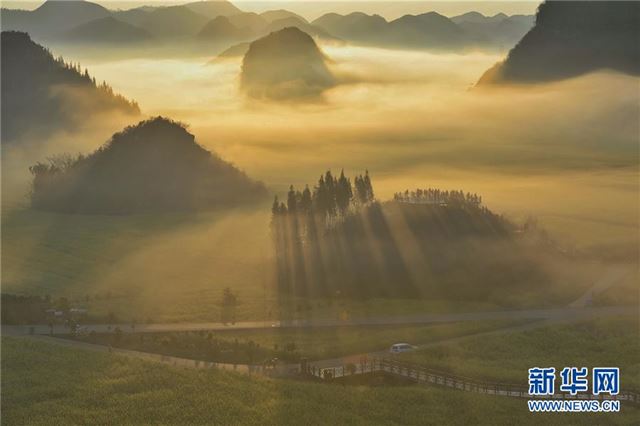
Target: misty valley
247,185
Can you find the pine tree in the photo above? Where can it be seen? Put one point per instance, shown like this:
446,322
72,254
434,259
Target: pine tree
344,193
320,197
330,183
275,207
291,201
305,200
368,187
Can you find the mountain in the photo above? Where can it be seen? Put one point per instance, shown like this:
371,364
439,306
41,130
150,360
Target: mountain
134,16
274,15
427,30
499,30
511,30
53,17
573,38
301,24
285,64
213,9
357,26
235,51
172,21
41,94
154,166
478,18
106,30
221,29
250,20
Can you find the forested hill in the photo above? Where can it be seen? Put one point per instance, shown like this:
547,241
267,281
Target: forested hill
155,166
41,93
286,64
571,38
336,239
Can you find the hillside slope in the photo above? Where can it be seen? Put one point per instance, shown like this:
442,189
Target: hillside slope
285,64
41,93
573,38
153,166
106,30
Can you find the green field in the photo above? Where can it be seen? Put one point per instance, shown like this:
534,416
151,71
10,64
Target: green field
506,357
44,384
174,267
166,268
251,346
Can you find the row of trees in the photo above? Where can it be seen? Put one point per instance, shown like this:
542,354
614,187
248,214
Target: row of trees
299,225
437,196
331,197
72,70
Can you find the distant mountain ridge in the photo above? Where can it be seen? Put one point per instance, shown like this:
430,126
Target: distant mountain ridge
79,21
106,30
573,38
428,30
54,19
221,28
41,94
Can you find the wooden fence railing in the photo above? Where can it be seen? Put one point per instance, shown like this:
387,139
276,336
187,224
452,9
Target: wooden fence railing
423,375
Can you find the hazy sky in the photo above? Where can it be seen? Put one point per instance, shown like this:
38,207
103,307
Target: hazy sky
315,8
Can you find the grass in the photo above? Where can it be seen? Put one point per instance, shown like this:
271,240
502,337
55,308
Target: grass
250,346
506,357
44,384
174,267
166,268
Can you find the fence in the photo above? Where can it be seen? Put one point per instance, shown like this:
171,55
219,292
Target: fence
423,375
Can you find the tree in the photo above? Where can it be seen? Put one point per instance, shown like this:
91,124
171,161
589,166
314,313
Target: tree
229,303
330,183
368,187
275,207
291,201
305,201
321,198
344,193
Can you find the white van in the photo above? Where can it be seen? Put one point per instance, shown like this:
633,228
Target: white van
401,347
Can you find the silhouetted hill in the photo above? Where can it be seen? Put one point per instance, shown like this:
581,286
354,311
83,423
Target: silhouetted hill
301,24
40,93
357,27
213,9
427,30
53,17
106,30
135,16
574,38
235,51
153,166
285,64
172,21
499,30
220,29
274,15
251,21
444,245
478,18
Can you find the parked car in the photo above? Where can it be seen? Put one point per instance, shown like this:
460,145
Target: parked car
401,347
